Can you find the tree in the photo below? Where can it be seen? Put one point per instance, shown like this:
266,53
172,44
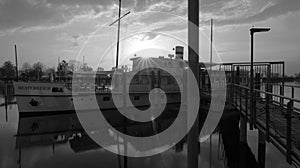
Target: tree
38,70
8,70
26,69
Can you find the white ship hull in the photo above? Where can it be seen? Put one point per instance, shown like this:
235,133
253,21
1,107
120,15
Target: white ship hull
40,98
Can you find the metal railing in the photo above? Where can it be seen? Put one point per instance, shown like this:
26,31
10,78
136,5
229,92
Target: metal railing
280,120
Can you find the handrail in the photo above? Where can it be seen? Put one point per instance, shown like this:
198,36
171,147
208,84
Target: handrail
268,93
239,63
295,86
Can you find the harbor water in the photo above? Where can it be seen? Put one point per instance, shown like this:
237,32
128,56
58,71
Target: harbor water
38,151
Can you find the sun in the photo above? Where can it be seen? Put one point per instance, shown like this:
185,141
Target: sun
139,43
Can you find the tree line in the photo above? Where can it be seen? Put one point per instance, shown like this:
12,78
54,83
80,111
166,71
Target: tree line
39,72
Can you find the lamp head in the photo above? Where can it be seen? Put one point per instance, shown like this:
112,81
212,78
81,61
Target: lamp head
256,29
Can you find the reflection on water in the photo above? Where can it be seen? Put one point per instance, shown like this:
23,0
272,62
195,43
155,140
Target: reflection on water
60,141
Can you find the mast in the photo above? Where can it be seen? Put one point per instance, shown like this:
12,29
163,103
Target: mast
118,40
211,43
119,27
16,59
117,64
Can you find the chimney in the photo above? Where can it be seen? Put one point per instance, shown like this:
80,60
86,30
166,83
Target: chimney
179,52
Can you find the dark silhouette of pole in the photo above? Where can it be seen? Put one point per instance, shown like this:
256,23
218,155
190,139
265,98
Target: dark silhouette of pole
117,64
252,31
118,35
211,42
118,40
16,59
251,82
5,101
193,60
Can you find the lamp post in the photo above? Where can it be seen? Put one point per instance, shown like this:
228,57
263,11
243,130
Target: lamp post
252,31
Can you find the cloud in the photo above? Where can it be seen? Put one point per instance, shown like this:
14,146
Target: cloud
36,14
252,12
44,14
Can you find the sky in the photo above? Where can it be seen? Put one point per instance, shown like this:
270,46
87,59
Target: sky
46,30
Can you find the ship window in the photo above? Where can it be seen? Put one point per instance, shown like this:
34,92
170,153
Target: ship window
106,98
169,80
136,80
136,98
56,89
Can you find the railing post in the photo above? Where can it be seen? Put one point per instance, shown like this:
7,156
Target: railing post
282,94
241,107
232,83
268,96
289,131
246,103
256,96
237,76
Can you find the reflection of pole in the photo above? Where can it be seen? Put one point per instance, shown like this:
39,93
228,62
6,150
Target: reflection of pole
20,159
125,119
193,60
210,151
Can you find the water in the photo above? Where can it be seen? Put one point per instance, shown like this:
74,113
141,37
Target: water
57,148
62,151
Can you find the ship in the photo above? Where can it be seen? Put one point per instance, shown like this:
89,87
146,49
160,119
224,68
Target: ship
55,97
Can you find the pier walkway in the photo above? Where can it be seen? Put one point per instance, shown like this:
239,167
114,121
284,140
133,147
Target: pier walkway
267,108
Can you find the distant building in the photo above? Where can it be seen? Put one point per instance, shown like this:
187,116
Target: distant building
99,69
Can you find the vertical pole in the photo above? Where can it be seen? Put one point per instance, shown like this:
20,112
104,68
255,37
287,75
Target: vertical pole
193,60
57,68
211,43
251,83
5,101
16,59
289,132
118,41
232,83
261,149
246,104
283,82
281,88
268,99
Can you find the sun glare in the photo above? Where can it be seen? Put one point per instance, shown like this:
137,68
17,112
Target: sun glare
138,44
